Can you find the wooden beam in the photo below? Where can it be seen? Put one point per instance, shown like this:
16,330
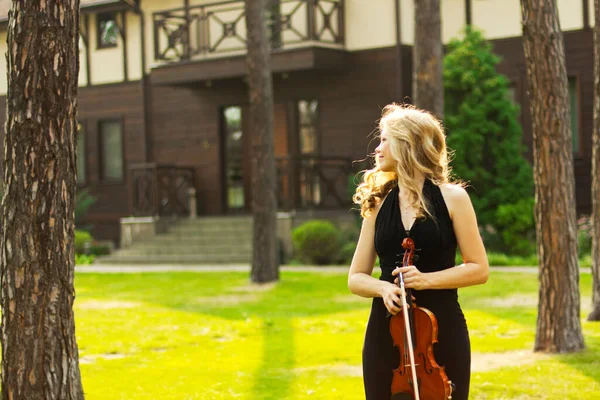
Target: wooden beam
586,14
468,12
123,31
398,10
88,66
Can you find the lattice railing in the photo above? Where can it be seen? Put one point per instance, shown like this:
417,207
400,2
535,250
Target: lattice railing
182,33
312,182
161,190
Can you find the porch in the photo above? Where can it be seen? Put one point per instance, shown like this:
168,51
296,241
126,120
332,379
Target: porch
304,183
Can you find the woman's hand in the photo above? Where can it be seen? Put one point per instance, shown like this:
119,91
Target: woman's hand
391,298
413,278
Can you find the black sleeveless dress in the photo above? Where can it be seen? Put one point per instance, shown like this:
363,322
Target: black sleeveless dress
436,244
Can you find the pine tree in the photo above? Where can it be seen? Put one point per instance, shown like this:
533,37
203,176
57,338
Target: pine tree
483,130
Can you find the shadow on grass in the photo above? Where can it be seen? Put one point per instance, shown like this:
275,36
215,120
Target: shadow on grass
275,373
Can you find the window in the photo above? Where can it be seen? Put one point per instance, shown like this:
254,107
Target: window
81,160
574,106
308,126
111,150
107,30
308,141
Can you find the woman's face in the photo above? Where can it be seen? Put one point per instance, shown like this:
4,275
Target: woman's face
383,156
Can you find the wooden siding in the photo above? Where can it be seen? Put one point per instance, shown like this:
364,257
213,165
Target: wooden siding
579,56
114,101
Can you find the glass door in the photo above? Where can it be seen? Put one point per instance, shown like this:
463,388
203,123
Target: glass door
233,147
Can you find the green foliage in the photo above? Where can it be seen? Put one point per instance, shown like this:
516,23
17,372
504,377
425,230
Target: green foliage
317,242
347,252
83,202
83,239
584,235
484,131
516,224
84,259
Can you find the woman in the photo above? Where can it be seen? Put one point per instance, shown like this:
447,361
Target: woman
409,193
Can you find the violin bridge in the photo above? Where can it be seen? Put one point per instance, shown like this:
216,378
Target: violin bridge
408,365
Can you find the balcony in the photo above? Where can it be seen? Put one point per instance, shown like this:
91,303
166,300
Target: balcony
303,34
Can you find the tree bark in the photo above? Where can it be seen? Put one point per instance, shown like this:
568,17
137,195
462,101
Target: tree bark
595,314
558,323
265,262
39,350
428,78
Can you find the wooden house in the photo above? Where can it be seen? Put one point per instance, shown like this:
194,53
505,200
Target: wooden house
163,99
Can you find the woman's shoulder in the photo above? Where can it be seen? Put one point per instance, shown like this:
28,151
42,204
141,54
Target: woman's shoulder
455,197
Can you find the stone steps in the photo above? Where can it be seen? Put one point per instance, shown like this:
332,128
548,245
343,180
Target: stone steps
210,240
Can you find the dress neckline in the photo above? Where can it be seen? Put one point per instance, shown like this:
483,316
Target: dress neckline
408,232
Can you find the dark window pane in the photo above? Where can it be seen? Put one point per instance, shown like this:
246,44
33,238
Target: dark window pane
112,150
107,30
81,172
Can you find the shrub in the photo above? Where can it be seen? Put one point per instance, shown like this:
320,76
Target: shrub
347,252
83,259
82,240
317,242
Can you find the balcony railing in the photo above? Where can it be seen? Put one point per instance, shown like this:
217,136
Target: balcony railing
161,190
312,182
212,28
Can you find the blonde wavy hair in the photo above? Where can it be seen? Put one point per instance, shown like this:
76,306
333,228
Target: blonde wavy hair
417,143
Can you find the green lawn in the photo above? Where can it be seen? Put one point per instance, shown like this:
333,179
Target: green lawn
213,336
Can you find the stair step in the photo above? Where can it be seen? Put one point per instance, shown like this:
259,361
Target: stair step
200,241
171,259
208,244
168,250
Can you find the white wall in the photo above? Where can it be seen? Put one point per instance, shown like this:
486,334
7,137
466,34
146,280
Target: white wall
372,26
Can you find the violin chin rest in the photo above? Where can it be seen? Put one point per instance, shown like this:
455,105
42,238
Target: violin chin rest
402,396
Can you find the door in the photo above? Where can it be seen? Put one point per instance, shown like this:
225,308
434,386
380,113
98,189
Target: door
234,161
237,155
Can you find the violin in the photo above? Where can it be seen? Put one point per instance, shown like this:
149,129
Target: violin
414,331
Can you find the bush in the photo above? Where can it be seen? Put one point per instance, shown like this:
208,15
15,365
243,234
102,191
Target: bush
347,252
317,242
82,240
82,259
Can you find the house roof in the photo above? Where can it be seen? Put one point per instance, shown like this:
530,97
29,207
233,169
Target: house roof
5,5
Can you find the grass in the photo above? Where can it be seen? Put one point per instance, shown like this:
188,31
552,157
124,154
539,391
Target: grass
214,336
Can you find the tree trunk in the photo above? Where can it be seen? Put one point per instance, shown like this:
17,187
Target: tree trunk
265,263
428,78
40,359
558,323
595,314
